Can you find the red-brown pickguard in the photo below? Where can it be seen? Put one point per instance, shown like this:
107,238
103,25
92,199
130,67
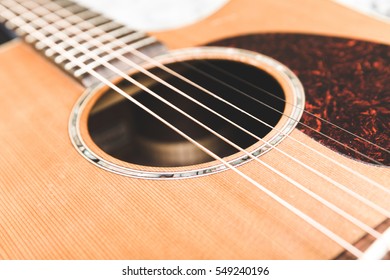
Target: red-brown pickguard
347,82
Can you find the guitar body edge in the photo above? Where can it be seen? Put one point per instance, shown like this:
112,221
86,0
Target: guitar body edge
242,17
56,205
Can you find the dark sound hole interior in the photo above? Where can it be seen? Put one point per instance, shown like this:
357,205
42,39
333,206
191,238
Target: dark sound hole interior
128,133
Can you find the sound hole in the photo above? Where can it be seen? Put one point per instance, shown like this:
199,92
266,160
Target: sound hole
130,134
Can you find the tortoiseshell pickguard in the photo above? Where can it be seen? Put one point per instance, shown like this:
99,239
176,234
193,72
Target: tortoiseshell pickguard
347,83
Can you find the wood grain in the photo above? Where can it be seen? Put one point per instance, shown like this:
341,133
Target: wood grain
56,205
347,85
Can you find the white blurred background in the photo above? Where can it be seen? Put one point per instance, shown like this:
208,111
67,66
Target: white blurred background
155,14
166,14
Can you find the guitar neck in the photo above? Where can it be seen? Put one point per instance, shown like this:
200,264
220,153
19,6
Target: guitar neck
66,32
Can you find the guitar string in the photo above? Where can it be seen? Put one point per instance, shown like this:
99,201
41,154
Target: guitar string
64,8
343,214
87,50
309,127
126,60
280,112
312,194
23,25
139,54
82,11
293,105
362,199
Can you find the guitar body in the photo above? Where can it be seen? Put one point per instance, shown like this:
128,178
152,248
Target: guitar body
57,205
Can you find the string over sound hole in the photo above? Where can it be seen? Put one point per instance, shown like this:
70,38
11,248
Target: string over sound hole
181,119
127,132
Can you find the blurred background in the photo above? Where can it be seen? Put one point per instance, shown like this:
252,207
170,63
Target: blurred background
154,15
165,14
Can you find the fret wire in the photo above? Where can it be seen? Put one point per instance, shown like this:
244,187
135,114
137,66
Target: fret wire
299,213
71,9
18,10
106,32
61,12
87,24
70,27
62,3
128,39
83,16
356,173
61,23
376,208
101,30
81,46
104,28
27,4
48,33
138,45
100,20
121,32
363,177
111,45
197,122
295,183
38,10
96,18
42,12
74,9
109,26
64,43
97,51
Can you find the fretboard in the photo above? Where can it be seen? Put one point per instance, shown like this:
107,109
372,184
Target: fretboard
76,38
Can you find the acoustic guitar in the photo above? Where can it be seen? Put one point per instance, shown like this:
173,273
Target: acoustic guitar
260,132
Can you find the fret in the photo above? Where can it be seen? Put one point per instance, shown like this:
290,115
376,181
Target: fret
99,51
112,44
106,27
61,3
61,19
97,21
80,17
121,32
27,16
138,45
104,38
39,11
62,22
64,11
50,52
13,24
18,10
73,9
29,5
